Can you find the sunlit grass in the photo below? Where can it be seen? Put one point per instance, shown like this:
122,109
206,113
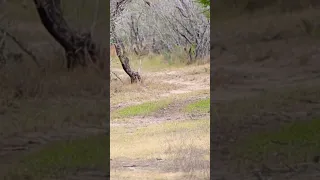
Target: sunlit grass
140,109
183,145
201,106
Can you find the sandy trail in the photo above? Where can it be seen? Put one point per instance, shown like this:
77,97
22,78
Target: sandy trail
186,82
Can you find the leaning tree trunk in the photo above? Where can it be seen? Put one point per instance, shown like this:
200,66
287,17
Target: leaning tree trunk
120,49
121,53
78,46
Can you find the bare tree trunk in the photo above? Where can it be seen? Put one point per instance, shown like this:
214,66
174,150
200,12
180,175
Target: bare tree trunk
120,49
78,46
121,53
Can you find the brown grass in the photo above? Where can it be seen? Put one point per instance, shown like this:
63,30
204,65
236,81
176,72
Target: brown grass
31,97
180,145
264,82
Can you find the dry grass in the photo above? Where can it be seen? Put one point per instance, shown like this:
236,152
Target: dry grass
45,104
154,140
124,175
269,40
31,98
134,93
34,102
156,62
183,146
156,84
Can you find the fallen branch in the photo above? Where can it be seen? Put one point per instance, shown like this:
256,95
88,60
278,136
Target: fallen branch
117,76
22,47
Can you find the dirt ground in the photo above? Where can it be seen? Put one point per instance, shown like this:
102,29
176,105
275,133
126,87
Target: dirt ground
183,86
267,77
41,107
40,125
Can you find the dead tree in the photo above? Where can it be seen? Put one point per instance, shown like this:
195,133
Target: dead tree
78,46
120,49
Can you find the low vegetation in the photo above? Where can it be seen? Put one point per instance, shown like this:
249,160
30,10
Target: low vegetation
182,145
62,157
201,106
293,143
143,109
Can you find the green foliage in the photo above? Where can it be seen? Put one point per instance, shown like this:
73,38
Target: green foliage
204,3
141,109
201,106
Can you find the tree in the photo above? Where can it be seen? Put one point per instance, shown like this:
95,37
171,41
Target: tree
166,27
117,9
79,47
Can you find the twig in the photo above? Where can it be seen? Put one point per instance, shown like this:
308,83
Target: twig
117,76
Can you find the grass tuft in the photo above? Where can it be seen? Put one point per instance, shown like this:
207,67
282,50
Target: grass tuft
201,106
141,109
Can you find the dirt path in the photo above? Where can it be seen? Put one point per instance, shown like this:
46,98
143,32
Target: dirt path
187,81
184,79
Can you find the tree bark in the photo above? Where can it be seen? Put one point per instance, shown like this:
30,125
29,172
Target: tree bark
120,49
121,53
78,46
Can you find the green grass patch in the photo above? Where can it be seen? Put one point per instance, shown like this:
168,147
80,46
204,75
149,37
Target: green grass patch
201,106
294,143
141,109
58,158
